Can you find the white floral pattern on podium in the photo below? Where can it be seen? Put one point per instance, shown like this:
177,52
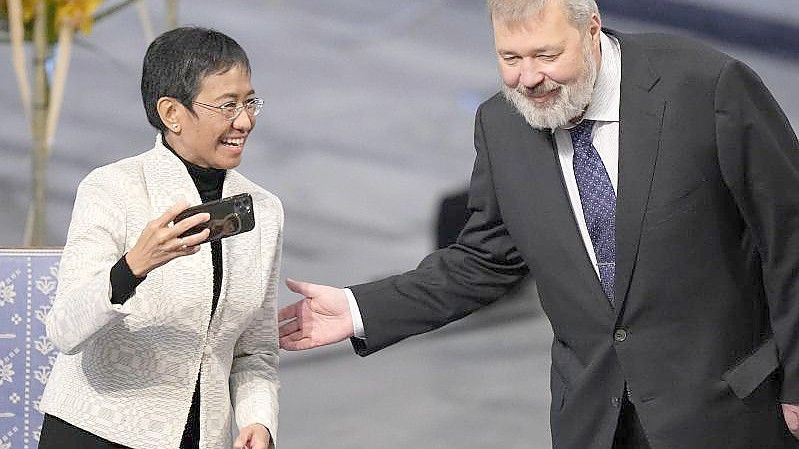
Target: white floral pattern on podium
28,281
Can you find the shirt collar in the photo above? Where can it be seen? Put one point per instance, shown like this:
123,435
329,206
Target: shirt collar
604,105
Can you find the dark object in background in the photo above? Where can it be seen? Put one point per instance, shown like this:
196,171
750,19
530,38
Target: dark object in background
452,216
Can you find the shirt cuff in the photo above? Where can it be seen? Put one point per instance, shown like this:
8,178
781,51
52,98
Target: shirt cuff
355,312
123,282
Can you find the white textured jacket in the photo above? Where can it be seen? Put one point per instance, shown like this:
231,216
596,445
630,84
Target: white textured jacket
127,373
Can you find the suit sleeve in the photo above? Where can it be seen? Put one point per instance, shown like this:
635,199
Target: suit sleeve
759,159
452,282
82,308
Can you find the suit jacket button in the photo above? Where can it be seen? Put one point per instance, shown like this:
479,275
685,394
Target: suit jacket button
620,335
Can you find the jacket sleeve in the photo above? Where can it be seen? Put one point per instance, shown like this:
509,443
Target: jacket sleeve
452,282
759,159
254,382
82,308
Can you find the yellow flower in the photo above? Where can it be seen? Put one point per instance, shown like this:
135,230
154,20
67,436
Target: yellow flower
78,13
28,10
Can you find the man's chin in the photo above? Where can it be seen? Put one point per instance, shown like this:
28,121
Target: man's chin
540,114
543,116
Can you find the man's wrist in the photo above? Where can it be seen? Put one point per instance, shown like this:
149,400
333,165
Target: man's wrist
358,330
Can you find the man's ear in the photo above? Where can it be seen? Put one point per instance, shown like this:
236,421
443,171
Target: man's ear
169,111
594,27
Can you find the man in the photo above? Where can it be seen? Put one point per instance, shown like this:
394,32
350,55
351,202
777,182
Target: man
649,185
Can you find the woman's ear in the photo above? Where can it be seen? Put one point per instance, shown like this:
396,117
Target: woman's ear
169,112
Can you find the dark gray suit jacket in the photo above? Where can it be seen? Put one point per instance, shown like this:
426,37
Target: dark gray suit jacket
706,324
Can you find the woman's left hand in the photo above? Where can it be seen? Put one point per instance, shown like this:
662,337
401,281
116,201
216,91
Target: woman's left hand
254,436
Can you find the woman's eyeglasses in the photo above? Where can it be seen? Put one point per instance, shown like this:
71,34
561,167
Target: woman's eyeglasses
232,110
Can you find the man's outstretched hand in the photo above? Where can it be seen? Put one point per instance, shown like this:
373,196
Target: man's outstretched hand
791,414
321,318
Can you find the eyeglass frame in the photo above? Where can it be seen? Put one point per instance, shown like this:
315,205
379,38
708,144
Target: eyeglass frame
258,102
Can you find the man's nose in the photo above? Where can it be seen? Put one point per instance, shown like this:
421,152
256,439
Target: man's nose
530,74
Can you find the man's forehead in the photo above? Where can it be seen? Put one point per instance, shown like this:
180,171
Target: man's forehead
533,33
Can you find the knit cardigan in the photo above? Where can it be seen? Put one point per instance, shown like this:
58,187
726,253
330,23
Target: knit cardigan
127,372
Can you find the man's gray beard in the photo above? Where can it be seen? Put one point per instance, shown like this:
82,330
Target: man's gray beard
569,103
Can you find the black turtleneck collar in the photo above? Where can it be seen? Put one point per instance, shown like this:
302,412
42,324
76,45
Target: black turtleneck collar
207,180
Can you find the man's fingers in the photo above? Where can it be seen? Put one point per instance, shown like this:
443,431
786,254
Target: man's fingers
295,342
791,414
289,328
289,312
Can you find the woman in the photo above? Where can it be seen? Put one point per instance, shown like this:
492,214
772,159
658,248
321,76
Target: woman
167,341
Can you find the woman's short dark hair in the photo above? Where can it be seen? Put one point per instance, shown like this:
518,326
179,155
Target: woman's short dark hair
178,60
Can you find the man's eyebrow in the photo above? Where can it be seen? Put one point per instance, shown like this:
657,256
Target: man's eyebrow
539,49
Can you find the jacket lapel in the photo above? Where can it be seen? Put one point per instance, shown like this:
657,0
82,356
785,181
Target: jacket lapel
167,180
234,250
232,186
540,155
640,123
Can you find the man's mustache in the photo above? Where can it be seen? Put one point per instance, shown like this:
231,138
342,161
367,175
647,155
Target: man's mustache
541,89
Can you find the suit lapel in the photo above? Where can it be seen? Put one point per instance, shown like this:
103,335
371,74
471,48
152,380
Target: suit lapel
538,150
640,123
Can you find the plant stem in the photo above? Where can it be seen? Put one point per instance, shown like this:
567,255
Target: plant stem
38,230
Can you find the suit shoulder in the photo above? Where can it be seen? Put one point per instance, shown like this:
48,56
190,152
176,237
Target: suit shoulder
672,52
494,103
496,108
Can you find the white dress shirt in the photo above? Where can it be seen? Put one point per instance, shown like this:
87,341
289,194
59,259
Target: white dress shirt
604,110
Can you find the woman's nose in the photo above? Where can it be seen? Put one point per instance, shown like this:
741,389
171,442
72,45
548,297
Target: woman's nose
244,121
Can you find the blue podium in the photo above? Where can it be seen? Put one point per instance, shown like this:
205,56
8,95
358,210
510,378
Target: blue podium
28,281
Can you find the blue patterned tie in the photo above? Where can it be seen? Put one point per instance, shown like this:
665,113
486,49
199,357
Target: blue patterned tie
599,203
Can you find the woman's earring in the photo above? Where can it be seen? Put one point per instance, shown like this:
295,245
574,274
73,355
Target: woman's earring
175,126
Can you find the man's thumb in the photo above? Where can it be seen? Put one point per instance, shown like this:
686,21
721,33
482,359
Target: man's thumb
303,288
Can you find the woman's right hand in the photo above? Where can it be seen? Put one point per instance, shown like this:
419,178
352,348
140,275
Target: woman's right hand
160,241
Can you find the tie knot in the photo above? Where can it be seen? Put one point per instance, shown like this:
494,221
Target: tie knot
582,129
581,134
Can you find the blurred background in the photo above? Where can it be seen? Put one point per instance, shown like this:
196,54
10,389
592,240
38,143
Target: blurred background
367,127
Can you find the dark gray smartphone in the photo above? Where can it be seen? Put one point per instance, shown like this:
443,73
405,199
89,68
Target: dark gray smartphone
229,216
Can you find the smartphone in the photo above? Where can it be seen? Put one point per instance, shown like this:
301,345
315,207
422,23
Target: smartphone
229,216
